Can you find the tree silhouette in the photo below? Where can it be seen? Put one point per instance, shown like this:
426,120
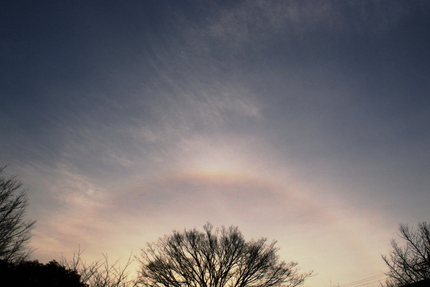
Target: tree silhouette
35,274
14,230
215,259
411,262
101,273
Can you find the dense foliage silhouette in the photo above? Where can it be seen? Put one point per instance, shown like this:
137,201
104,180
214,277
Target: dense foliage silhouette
35,274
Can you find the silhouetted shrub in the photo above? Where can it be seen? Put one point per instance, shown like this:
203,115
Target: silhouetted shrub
35,274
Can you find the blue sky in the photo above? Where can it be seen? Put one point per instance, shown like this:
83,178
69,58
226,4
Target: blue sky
306,122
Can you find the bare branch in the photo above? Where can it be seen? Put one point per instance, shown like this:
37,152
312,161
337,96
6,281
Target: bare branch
215,258
411,262
101,273
14,229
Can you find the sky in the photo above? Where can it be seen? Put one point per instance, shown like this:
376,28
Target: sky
301,121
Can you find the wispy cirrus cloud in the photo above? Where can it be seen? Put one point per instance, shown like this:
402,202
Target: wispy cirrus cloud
303,121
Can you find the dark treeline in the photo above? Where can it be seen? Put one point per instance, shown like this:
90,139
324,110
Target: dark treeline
35,274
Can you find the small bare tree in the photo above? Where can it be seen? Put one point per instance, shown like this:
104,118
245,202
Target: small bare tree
14,229
100,273
215,259
411,262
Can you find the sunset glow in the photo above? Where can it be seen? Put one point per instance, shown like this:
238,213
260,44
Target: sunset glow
301,121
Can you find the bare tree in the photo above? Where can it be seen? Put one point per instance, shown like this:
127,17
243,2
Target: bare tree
411,262
215,259
100,273
14,229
